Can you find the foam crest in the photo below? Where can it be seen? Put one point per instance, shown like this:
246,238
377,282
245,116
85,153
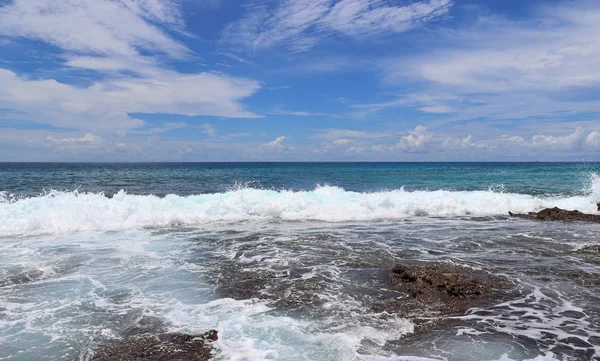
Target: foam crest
57,212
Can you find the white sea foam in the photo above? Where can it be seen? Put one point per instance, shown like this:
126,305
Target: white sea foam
57,212
549,357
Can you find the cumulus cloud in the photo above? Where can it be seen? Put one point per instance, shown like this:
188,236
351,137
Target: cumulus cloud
416,140
579,139
300,24
593,140
278,143
570,141
456,143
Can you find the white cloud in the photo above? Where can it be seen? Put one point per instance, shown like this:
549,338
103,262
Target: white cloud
105,106
436,109
341,141
297,113
208,130
110,37
333,134
571,141
507,69
578,140
417,139
278,143
88,138
104,27
427,103
155,131
35,144
514,138
300,24
236,58
371,17
593,140
452,143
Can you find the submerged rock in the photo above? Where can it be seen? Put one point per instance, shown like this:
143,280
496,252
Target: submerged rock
558,214
166,347
21,278
443,289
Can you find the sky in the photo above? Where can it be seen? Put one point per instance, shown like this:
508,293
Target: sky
299,80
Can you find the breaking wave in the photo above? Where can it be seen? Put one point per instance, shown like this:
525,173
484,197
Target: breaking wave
68,211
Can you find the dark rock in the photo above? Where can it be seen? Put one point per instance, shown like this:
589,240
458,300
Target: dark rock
21,277
278,290
444,289
558,214
241,284
166,347
592,248
296,293
592,254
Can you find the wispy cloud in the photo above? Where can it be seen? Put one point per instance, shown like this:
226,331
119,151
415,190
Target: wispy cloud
209,130
101,27
333,134
297,113
301,24
503,69
88,138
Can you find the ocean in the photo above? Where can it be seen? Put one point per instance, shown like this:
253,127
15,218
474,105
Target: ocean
89,252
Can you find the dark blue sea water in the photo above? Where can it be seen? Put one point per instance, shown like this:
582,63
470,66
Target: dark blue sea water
89,252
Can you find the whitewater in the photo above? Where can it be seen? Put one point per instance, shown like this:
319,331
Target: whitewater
287,269
70,211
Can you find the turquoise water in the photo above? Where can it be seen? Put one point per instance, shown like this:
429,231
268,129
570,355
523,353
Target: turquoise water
197,178
90,252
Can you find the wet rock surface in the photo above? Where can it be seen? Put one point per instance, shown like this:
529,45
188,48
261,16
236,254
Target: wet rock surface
591,254
558,214
592,248
439,289
165,347
21,278
278,289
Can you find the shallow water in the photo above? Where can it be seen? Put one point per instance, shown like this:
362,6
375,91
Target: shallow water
79,268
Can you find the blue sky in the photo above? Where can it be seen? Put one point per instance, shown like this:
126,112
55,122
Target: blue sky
315,80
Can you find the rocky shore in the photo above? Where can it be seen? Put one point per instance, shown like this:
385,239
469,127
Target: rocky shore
441,289
166,347
558,214
592,249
